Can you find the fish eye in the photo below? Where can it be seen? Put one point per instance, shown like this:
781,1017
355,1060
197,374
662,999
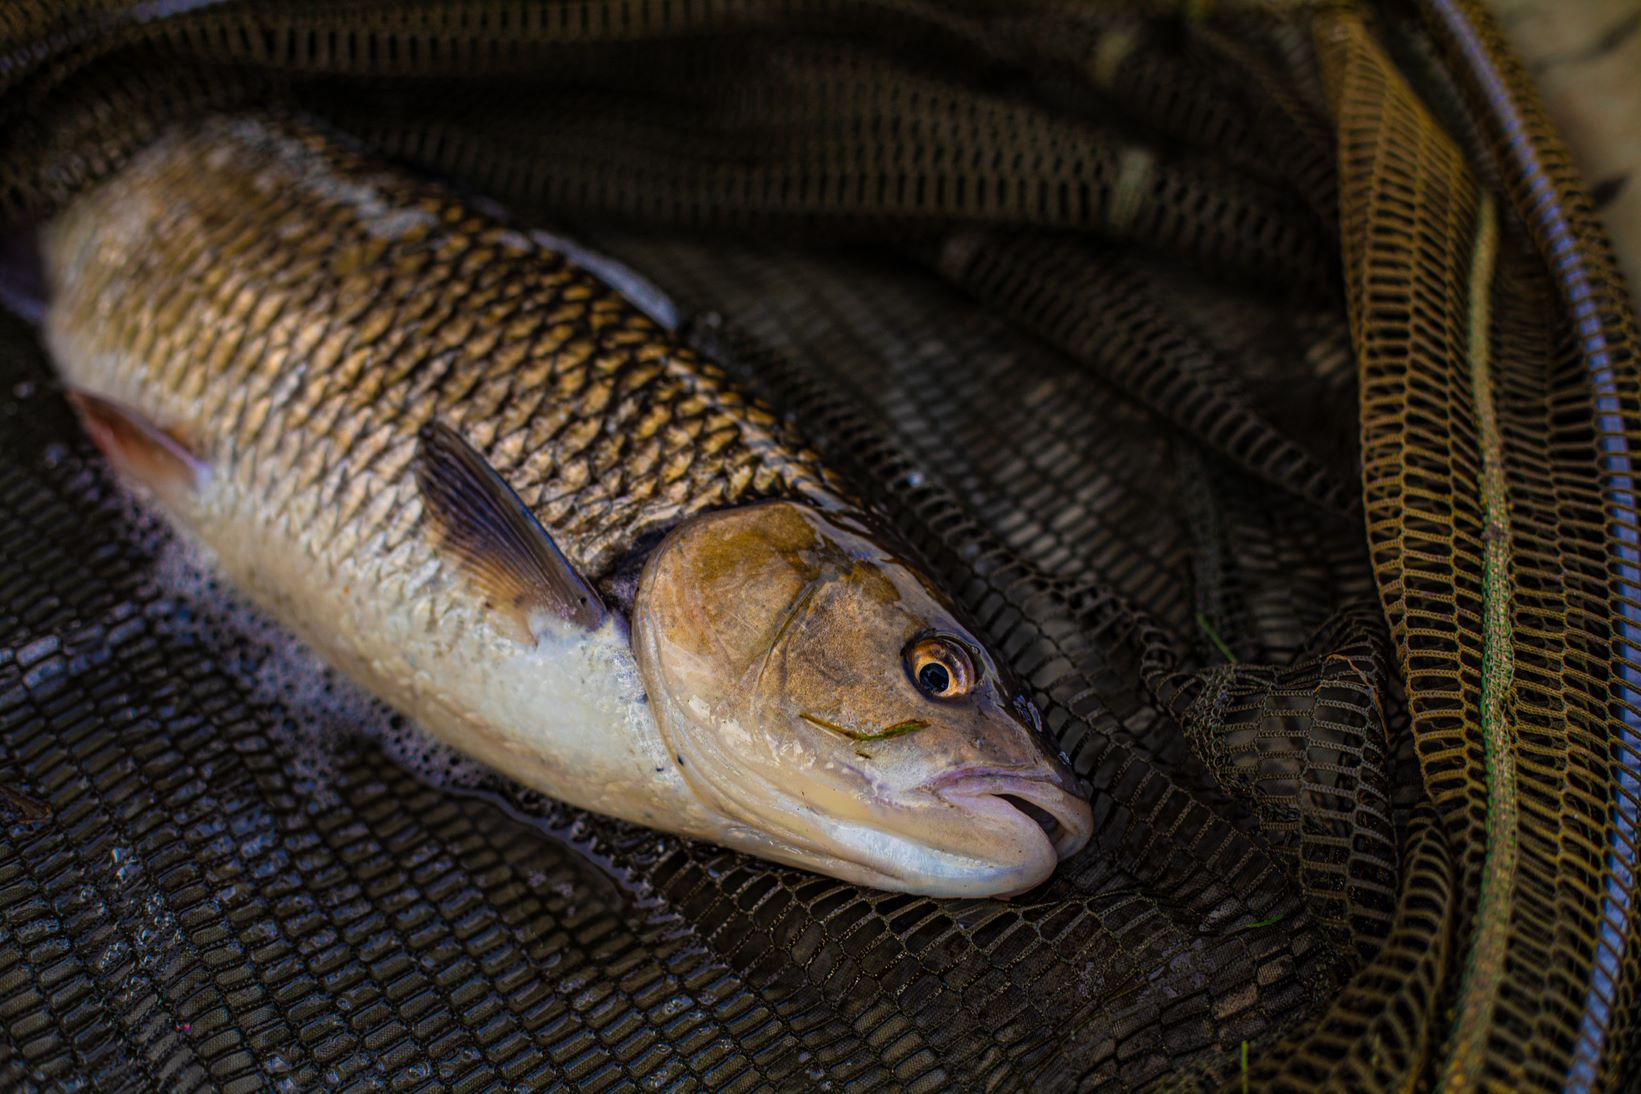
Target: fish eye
940,667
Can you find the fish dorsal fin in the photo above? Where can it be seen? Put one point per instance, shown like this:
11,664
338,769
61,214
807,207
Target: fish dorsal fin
141,449
495,539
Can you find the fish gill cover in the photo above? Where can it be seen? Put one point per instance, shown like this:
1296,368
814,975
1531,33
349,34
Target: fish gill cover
1255,374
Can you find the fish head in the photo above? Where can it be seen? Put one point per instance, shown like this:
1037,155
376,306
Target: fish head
826,702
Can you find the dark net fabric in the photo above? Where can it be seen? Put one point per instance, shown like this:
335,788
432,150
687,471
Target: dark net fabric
1256,377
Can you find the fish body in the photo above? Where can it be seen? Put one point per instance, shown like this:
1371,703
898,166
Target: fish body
501,497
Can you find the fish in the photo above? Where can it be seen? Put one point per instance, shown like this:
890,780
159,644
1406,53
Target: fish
493,491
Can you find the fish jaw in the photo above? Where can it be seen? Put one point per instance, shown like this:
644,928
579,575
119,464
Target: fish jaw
1039,809
919,849
965,835
893,863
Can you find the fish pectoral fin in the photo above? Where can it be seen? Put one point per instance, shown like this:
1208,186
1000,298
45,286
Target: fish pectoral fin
494,538
141,449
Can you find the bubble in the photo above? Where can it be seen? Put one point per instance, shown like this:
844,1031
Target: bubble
315,716
321,712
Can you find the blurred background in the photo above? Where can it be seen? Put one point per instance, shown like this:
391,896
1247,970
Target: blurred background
1584,56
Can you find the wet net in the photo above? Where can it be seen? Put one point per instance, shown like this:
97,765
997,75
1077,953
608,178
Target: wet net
1255,374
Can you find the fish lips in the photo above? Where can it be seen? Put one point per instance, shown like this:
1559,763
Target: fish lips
1044,815
972,832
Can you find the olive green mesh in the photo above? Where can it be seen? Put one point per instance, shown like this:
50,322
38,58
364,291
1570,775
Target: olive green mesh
1287,461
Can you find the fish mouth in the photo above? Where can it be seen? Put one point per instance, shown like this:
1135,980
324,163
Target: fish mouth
1060,815
999,832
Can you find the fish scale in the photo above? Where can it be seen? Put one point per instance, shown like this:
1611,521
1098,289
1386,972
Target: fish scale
303,356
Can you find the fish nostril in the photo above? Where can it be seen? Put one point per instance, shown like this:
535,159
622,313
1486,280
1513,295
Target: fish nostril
1048,822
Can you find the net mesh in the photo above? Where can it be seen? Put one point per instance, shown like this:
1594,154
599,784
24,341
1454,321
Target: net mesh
1260,383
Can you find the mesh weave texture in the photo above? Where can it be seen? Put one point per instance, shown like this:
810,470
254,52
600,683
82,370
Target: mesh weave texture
1259,381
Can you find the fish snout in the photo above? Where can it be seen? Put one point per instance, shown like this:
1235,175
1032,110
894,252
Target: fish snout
1038,808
